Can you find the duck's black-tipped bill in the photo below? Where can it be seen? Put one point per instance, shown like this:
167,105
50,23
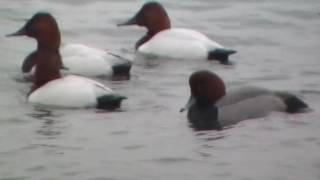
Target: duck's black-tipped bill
21,32
132,21
190,103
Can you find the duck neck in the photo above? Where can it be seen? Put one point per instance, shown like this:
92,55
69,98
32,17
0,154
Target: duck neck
50,40
48,64
154,29
47,47
204,103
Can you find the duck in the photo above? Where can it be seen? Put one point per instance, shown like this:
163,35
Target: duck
164,41
212,107
80,59
50,88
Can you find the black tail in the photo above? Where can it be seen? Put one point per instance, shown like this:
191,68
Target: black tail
221,55
294,104
110,102
122,69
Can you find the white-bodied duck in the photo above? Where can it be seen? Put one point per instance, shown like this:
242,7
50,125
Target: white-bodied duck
49,88
80,59
163,41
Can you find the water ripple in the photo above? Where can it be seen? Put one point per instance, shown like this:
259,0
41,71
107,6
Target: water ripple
169,160
16,178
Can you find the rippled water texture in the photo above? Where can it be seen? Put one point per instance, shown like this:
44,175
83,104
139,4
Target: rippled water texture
278,47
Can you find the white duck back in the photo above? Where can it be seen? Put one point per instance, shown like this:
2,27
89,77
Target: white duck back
179,43
69,92
84,60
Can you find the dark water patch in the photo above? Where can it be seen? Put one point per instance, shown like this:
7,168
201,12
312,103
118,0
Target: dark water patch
117,133
294,13
269,78
147,63
211,135
204,154
119,110
254,22
169,160
51,134
268,24
51,128
191,7
226,21
291,143
69,33
14,120
270,128
74,3
245,1
314,92
134,147
314,140
223,174
213,138
57,147
89,31
222,164
237,83
73,173
310,73
7,14
67,165
255,41
15,151
207,146
317,165
41,113
297,121
36,168
103,178
23,78
16,178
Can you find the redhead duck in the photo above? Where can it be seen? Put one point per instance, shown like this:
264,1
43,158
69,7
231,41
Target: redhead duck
163,41
211,107
49,88
80,59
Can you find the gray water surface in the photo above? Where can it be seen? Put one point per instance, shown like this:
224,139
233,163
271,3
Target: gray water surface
278,47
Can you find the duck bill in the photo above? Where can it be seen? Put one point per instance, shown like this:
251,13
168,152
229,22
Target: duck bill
190,102
132,21
20,32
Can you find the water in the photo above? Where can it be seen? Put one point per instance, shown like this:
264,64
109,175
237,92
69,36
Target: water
278,47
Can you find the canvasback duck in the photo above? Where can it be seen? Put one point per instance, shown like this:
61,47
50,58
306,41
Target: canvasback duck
163,41
82,60
211,107
49,88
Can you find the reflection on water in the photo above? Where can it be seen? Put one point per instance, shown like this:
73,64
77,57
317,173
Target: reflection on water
48,128
212,135
41,114
51,126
